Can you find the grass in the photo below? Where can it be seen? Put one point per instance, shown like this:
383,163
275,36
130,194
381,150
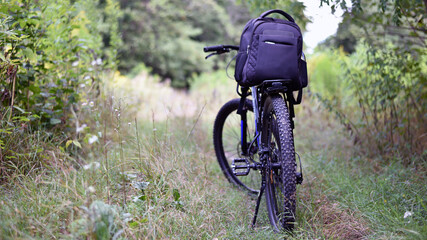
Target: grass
156,176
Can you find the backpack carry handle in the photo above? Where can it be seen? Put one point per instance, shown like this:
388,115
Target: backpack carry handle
278,11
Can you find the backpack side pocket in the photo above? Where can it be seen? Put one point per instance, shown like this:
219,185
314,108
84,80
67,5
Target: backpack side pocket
240,62
303,78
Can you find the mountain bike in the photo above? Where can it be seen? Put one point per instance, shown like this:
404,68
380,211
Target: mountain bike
254,145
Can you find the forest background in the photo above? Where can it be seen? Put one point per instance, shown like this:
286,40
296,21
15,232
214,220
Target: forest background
80,157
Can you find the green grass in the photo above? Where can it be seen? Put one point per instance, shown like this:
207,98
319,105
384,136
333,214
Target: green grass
344,195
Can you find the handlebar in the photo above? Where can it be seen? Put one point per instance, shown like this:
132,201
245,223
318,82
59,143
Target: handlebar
220,48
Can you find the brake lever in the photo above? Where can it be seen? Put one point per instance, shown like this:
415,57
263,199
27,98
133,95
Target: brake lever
217,53
210,55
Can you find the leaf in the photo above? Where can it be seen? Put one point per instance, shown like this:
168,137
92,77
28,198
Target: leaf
48,65
142,198
68,143
2,56
20,109
176,194
30,55
133,224
75,142
144,220
55,121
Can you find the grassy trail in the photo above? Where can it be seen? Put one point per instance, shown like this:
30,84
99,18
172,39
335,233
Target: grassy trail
156,177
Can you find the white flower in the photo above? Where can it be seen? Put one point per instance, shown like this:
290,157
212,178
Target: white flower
127,217
82,85
93,139
84,104
87,77
98,61
91,104
94,165
136,199
91,189
131,175
407,214
74,64
79,129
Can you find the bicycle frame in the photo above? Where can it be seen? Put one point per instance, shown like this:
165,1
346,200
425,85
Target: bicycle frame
265,89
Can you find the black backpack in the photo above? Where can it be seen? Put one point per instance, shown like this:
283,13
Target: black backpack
271,48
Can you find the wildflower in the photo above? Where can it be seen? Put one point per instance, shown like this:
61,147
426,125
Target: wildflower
136,199
93,139
74,64
140,185
79,129
127,217
94,165
91,104
131,175
91,189
84,104
407,214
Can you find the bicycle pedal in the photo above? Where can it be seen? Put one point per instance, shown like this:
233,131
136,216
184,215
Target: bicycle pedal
299,177
240,167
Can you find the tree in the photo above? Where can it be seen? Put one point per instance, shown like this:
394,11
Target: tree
168,36
293,7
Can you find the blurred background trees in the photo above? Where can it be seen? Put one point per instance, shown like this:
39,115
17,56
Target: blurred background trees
371,73
168,35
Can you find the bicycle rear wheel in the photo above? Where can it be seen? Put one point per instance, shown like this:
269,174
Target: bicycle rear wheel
280,175
227,143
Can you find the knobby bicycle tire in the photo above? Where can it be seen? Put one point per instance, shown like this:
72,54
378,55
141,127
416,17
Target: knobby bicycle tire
277,137
226,136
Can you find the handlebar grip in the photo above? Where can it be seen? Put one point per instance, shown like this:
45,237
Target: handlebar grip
213,48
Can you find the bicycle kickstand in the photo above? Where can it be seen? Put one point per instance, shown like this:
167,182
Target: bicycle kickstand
258,202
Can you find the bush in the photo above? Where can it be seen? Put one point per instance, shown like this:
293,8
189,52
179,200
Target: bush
388,94
53,55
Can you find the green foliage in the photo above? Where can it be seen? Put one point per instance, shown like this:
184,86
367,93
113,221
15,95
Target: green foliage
326,75
53,55
57,49
387,76
99,221
168,36
387,91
